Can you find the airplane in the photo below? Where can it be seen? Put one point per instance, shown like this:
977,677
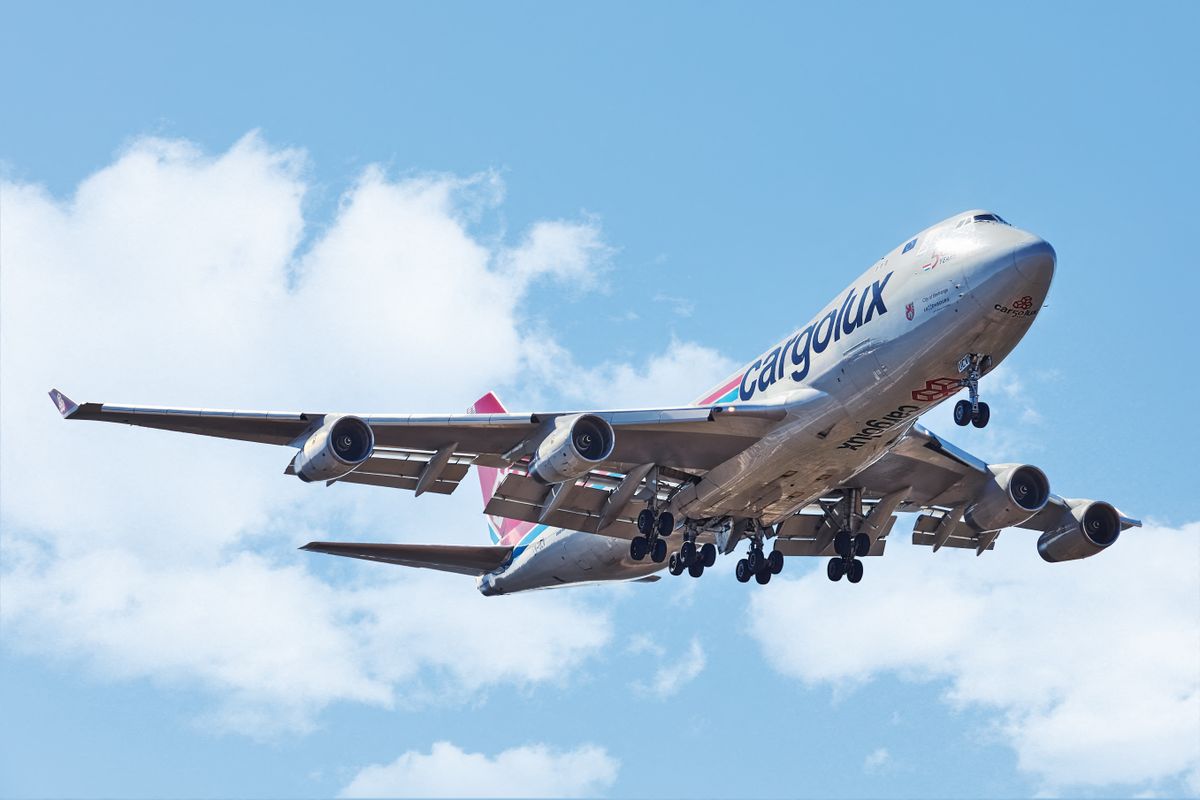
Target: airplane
813,447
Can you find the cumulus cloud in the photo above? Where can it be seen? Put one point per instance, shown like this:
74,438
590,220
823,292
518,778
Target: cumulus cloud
1093,666
529,771
675,377
178,277
677,671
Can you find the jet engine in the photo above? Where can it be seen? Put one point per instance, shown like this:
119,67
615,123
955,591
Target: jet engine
1087,527
1015,493
576,445
334,450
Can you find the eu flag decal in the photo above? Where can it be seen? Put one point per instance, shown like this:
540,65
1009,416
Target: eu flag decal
909,246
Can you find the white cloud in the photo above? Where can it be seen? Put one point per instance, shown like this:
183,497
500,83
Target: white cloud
1093,666
448,771
175,277
674,377
877,759
672,676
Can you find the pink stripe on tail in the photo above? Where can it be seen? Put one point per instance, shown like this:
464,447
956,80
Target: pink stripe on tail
506,531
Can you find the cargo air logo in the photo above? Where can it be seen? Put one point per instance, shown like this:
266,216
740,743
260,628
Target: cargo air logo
798,351
936,389
1022,307
878,428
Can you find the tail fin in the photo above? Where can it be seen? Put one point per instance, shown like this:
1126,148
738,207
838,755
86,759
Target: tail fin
502,530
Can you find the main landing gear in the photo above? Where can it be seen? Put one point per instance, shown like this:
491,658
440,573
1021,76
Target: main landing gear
849,549
653,530
973,411
757,564
692,558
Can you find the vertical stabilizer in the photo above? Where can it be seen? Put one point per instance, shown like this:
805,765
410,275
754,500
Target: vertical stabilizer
503,530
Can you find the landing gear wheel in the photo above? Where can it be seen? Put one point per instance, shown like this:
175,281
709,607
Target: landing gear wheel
843,544
645,521
687,553
836,569
743,571
676,566
708,554
665,524
775,562
755,559
962,413
763,576
862,545
658,553
696,569
981,416
854,571
638,547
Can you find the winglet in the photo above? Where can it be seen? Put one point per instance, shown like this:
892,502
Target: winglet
66,406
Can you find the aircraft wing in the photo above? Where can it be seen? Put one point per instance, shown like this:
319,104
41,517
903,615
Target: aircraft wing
692,439
925,472
463,559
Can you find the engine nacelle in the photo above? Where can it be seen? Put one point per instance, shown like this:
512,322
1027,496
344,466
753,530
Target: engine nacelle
1087,528
334,450
576,445
1015,493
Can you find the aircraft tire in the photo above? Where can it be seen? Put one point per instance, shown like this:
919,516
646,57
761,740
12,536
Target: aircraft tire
658,553
775,562
843,544
862,545
687,552
763,576
708,554
645,521
835,569
980,420
743,571
695,569
675,566
854,571
638,547
754,558
665,523
962,413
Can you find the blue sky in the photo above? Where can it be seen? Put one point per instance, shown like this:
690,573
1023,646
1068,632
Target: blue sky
616,204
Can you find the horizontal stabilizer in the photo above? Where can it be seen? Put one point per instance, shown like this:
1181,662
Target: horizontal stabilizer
463,559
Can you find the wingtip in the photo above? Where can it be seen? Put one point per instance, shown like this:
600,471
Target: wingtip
65,405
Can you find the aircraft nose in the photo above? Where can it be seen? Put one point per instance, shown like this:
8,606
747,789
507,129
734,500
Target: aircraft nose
1035,260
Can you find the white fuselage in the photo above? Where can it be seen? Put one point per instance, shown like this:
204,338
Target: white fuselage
853,380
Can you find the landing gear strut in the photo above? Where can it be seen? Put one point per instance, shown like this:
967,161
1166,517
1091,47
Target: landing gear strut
851,543
973,411
849,549
652,529
690,557
758,564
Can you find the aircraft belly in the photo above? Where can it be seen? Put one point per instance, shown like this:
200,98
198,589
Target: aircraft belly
570,558
877,392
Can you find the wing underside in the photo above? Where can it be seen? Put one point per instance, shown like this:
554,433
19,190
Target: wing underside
462,559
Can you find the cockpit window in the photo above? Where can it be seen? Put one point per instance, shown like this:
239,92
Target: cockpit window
981,218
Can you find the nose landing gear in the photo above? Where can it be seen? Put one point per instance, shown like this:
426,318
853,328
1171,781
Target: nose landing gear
973,411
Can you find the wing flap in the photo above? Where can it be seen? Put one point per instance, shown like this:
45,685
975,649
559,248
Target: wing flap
522,498
461,559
